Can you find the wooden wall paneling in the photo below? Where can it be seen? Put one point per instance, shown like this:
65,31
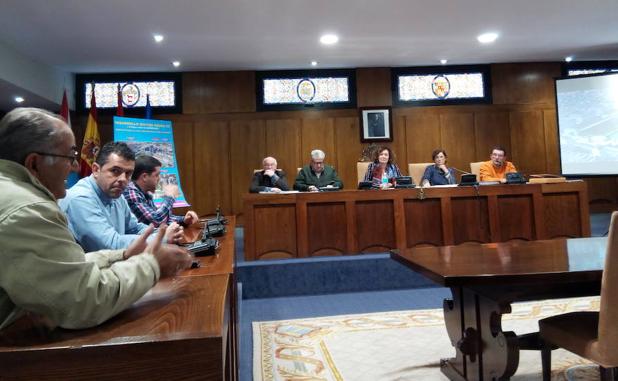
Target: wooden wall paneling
602,193
283,142
422,135
457,138
348,148
212,166
318,133
550,125
490,129
516,218
193,93
375,224
326,228
275,226
528,141
183,142
373,87
398,144
560,221
470,219
421,230
228,91
524,83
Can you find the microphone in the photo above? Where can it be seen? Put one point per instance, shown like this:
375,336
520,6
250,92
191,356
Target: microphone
462,172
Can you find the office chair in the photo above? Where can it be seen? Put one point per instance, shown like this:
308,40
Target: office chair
416,171
475,168
361,169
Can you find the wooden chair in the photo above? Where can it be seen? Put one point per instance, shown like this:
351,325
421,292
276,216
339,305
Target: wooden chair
476,169
592,335
416,171
361,169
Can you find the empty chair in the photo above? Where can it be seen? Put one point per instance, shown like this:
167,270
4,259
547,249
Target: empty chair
592,335
361,169
476,168
416,171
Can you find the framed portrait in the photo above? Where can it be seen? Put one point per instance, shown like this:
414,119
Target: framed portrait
376,124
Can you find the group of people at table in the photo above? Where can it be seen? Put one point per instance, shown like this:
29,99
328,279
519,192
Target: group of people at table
382,172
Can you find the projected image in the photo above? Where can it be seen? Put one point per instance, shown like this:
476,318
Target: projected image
164,152
588,123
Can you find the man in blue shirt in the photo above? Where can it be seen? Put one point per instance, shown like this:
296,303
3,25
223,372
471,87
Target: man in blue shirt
98,217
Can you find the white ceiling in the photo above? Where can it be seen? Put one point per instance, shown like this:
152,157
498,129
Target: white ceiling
116,35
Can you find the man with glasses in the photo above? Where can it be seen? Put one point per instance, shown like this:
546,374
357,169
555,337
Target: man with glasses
98,216
43,270
497,167
317,175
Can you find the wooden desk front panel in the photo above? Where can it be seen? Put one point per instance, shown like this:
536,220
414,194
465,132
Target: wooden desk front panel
351,222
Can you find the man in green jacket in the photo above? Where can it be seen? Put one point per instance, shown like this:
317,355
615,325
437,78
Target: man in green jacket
317,175
43,270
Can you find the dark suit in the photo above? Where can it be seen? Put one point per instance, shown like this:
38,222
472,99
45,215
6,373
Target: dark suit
262,183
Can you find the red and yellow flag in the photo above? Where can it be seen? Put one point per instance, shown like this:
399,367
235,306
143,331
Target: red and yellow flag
92,140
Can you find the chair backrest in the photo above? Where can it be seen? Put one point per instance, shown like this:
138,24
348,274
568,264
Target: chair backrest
476,168
608,314
257,170
416,171
361,169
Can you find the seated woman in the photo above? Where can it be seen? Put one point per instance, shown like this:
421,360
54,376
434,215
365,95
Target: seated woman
383,171
439,173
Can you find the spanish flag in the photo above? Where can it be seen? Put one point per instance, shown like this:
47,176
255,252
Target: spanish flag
92,140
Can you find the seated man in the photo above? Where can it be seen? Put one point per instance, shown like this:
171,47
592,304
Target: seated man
138,194
317,174
44,271
98,216
270,179
497,167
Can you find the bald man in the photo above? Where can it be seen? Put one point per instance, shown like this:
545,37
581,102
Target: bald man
270,179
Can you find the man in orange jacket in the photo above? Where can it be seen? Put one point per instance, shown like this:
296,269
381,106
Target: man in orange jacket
497,167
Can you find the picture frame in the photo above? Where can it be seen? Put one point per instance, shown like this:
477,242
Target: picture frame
376,124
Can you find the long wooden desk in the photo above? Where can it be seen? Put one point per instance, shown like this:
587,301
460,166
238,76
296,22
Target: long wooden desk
486,279
184,328
351,222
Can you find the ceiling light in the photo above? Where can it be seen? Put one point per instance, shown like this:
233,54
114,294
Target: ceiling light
487,38
158,37
568,59
176,63
19,99
314,63
329,39
443,62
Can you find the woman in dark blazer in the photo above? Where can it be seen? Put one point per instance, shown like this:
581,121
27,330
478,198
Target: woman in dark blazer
383,171
438,173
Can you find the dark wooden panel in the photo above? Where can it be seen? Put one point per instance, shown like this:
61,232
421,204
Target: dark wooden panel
457,133
348,147
212,166
422,136
218,91
560,221
185,152
318,133
490,129
275,231
551,141
516,217
193,92
528,141
423,222
247,149
375,226
283,142
373,87
524,83
470,219
326,229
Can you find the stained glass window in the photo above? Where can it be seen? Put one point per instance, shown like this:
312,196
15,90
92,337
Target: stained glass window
440,86
589,71
306,90
161,94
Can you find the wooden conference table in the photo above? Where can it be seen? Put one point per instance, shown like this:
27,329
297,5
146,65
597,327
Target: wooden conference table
301,225
184,328
485,279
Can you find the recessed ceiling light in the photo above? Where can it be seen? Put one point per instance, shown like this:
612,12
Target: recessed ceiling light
314,63
568,59
158,37
19,99
329,39
176,63
487,38
443,62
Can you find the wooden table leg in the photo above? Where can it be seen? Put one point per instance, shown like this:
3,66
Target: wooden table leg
482,350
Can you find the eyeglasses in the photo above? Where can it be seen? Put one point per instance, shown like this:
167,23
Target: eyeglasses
74,157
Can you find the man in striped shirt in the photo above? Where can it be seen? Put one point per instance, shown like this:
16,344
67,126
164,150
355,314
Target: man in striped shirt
138,194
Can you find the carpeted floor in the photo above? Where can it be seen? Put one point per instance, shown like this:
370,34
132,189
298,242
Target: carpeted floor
404,345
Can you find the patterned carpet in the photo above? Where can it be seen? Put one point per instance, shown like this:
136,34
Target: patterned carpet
402,345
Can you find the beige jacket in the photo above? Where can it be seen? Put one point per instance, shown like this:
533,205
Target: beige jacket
43,270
